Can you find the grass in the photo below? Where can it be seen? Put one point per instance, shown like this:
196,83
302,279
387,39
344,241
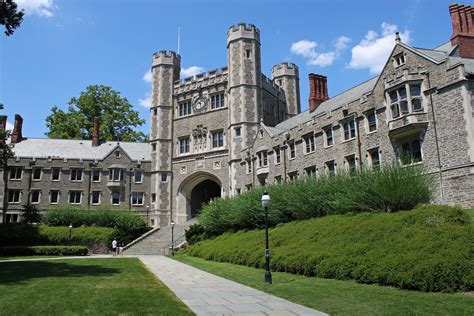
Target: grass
340,297
470,212
84,286
26,257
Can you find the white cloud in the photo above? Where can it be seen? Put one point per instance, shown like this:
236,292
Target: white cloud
191,71
39,7
147,76
307,49
373,50
9,126
146,102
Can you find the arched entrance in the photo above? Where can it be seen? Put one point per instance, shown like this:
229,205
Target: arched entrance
203,193
198,188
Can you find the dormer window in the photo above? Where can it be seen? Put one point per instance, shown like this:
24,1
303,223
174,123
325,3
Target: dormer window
402,103
398,60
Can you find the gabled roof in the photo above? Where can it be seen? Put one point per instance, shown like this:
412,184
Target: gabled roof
77,149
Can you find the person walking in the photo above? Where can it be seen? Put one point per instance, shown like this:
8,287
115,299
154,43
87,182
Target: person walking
114,247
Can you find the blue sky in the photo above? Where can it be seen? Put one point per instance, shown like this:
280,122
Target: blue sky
64,46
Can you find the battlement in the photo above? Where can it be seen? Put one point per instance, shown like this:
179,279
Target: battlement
164,57
243,30
271,86
285,69
204,79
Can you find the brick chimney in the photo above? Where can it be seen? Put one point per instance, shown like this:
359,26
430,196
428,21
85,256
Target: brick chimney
17,135
462,18
3,122
95,132
318,91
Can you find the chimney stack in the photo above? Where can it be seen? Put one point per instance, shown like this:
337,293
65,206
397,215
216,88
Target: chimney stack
95,132
3,122
17,134
318,91
462,18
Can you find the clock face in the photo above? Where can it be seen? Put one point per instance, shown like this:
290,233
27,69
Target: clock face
200,103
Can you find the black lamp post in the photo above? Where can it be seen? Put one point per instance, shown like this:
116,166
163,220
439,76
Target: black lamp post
172,238
266,203
147,215
70,231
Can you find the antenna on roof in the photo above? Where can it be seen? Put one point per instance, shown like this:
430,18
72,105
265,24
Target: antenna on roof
179,35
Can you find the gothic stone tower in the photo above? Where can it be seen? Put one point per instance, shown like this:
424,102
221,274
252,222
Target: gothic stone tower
244,91
286,76
165,70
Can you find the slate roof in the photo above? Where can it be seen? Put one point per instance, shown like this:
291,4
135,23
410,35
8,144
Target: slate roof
68,148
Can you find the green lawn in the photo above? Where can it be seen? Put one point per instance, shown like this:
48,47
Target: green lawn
26,257
341,297
84,286
470,211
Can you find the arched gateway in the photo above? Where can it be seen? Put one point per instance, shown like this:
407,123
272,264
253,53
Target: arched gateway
197,189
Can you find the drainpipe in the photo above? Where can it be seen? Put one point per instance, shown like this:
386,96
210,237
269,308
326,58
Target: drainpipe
130,189
284,147
89,186
31,163
440,172
358,142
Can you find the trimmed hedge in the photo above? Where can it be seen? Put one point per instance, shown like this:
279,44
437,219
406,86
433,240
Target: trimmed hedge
430,248
391,188
14,234
43,250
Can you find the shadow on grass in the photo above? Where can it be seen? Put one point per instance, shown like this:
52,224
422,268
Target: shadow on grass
19,272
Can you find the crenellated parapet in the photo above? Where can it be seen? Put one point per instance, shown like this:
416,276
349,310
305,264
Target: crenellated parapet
164,57
243,30
201,80
269,85
285,69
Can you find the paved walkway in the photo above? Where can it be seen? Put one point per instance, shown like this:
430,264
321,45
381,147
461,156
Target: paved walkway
208,294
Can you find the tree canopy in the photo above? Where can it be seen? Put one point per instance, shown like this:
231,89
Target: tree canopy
10,16
118,120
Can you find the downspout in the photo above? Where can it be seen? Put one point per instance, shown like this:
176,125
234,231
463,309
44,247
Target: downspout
359,149
89,186
284,147
130,189
31,163
440,172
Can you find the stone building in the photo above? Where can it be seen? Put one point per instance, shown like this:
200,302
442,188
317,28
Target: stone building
233,129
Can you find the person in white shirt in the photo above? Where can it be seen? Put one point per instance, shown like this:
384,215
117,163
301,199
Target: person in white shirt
114,247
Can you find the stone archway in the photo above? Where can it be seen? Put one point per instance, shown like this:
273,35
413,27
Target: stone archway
198,188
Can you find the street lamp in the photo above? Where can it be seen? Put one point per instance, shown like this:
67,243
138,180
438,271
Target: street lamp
70,231
147,212
265,204
172,238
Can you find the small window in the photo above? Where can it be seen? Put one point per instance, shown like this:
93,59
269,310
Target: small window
278,179
153,147
399,60
75,197
35,196
329,138
238,191
416,103
411,152
217,139
349,129
351,162
310,171
247,53
237,131
262,159
95,175
76,174
293,175
14,196
185,108
54,197
37,174
138,176
115,197
118,154
164,177
292,147
309,144
249,187
15,173
372,121
277,155
115,174
153,197
137,198
217,101
184,145
331,167
55,174
155,111
374,157
95,197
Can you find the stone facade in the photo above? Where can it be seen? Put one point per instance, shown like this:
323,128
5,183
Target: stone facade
233,129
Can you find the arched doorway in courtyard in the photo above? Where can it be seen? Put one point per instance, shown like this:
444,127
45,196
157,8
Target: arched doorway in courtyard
197,189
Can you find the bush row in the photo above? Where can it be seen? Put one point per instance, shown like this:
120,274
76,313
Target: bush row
43,250
391,188
430,248
21,235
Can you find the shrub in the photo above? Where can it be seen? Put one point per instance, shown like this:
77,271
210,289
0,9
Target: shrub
30,214
43,250
391,188
430,248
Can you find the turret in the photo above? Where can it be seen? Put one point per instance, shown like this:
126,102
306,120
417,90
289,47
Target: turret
244,90
286,76
165,70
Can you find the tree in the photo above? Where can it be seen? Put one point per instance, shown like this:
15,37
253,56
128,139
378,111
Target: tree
30,214
10,16
5,154
117,118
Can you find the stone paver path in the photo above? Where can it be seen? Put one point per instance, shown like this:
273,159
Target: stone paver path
208,294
